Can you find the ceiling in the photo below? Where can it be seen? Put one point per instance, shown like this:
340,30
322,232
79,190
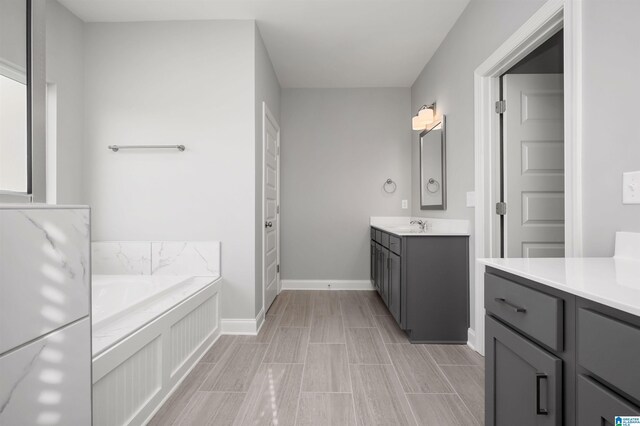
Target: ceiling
315,43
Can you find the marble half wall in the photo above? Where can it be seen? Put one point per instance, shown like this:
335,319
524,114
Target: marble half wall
196,258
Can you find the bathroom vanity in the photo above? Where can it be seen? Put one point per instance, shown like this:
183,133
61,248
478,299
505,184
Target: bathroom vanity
562,340
423,278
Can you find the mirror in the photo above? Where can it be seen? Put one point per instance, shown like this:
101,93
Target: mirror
433,176
14,153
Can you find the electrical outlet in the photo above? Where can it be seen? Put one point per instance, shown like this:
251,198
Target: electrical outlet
631,188
405,204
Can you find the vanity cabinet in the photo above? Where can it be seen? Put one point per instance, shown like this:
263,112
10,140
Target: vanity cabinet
424,282
553,358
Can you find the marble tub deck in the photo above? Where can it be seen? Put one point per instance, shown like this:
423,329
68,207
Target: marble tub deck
329,357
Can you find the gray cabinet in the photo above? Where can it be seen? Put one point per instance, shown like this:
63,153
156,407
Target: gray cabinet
526,381
549,350
424,281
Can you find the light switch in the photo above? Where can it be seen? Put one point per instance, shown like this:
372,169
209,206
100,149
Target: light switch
405,204
471,199
631,188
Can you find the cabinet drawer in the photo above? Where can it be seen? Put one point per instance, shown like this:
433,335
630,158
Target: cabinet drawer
597,405
610,349
394,244
378,238
534,313
384,240
372,232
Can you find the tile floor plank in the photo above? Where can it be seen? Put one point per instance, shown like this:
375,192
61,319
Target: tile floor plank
326,369
378,395
454,355
289,346
219,348
389,329
327,329
468,382
326,409
178,401
417,373
438,410
236,372
273,396
365,346
212,409
296,315
356,314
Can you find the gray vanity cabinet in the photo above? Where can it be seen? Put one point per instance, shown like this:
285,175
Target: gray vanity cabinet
553,358
526,382
424,282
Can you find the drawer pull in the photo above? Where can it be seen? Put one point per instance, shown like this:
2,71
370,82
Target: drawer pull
540,411
511,305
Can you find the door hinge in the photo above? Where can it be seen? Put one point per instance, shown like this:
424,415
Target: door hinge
278,269
501,107
501,208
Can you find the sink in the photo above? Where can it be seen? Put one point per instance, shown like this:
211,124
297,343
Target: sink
407,229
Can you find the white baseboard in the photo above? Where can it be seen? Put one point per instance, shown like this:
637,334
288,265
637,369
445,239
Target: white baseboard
326,285
471,340
250,326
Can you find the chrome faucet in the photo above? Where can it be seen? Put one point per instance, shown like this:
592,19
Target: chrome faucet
421,223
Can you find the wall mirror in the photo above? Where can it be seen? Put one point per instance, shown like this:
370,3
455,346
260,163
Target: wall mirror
433,175
14,145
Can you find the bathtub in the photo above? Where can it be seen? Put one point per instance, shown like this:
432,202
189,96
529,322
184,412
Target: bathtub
148,331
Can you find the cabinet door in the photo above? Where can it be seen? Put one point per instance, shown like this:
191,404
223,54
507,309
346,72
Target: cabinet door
384,279
523,381
597,406
394,285
372,266
378,269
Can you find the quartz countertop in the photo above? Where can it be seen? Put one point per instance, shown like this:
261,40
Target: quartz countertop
611,281
401,226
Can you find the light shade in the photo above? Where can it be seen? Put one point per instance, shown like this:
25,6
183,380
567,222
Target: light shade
423,119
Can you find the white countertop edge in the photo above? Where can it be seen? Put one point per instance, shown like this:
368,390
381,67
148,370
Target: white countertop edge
421,234
39,206
610,301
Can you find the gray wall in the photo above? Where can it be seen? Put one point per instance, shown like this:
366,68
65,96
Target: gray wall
65,70
448,80
267,89
168,83
611,136
338,147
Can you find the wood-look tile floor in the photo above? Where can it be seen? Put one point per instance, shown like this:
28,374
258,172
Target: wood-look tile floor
329,358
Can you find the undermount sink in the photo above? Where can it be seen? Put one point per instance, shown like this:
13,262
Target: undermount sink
407,229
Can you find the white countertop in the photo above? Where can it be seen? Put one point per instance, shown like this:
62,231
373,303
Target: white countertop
611,281
401,226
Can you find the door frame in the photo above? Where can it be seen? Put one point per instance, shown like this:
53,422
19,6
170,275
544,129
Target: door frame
551,17
267,115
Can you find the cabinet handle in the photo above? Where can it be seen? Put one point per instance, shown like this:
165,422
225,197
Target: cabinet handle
515,308
540,411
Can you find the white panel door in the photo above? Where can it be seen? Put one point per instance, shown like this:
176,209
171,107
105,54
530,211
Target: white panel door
271,187
533,169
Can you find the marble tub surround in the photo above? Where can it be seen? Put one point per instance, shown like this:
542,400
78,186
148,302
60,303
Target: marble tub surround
611,281
138,313
121,258
401,225
192,258
44,270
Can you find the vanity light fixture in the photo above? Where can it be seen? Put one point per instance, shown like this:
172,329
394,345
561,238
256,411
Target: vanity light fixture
424,117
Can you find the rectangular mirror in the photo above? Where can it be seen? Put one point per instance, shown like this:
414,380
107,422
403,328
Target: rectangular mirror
14,152
433,176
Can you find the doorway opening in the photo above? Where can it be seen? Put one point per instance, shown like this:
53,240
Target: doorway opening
531,145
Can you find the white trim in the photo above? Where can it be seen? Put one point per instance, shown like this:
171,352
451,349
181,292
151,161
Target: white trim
471,339
267,115
544,23
327,285
239,326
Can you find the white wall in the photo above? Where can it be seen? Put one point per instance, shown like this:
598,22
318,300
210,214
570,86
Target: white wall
65,70
267,89
188,83
611,136
448,80
338,148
